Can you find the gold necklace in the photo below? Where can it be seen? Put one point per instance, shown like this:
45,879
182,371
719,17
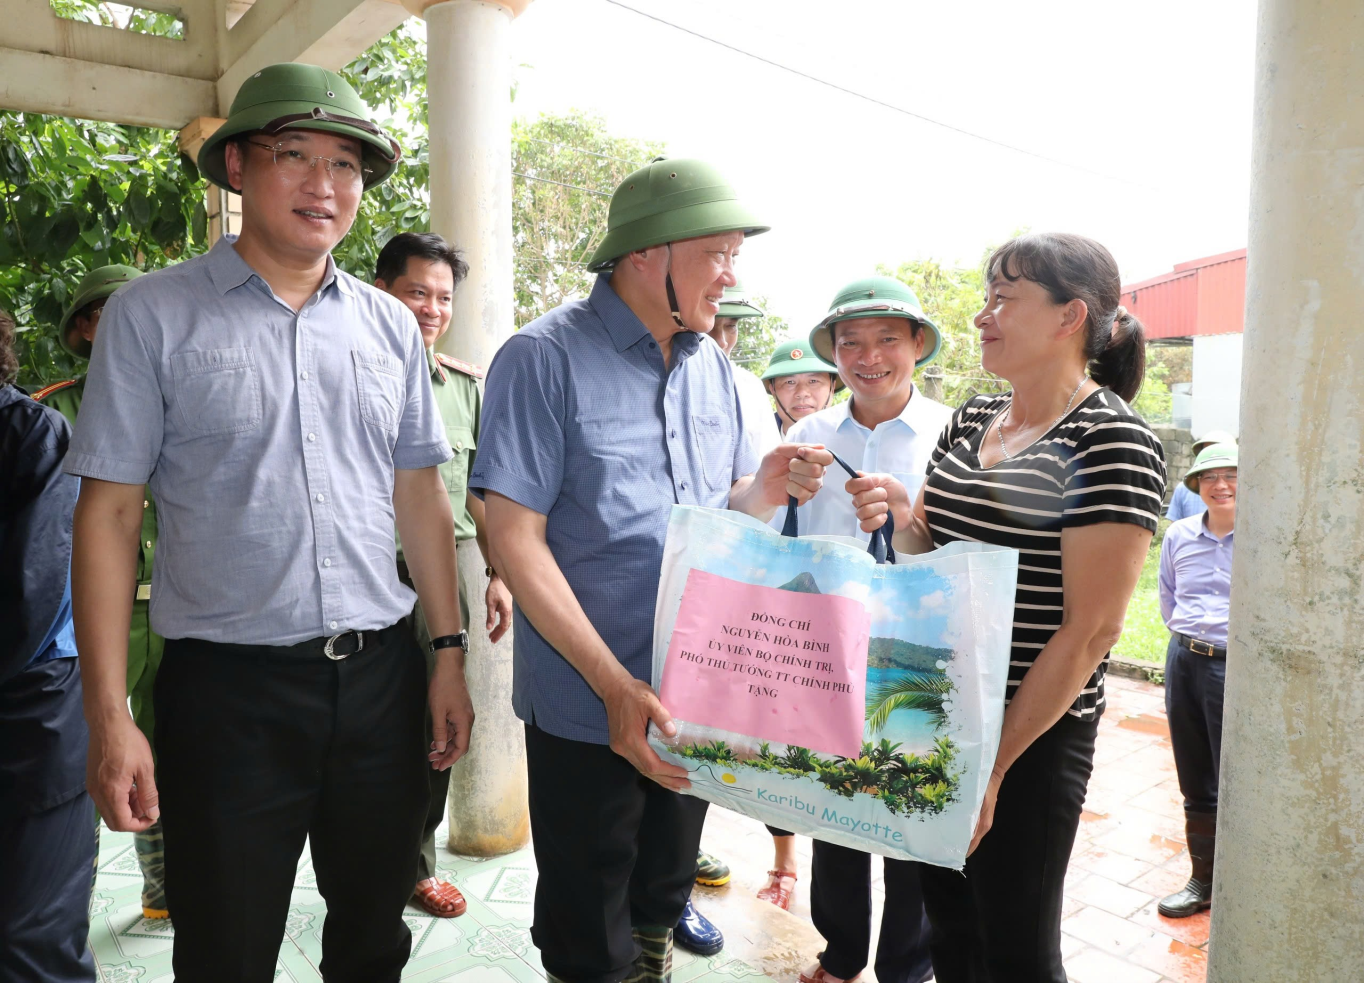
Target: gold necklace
999,431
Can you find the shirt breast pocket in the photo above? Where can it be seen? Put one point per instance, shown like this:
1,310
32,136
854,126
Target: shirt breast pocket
456,470
217,391
379,386
714,435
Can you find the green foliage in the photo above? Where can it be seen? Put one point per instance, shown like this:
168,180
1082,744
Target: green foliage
902,783
951,297
1144,635
759,337
391,79
65,209
139,20
564,169
925,691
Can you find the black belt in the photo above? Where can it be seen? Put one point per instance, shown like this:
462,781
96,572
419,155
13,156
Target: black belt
1199,647
335,647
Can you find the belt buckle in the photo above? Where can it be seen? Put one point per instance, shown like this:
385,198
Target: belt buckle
329,651
1195,642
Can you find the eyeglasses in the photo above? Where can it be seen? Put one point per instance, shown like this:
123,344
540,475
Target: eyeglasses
1213,477
343,172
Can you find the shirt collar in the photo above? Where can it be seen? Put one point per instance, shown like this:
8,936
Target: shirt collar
434,367
1203,530
911,416
228,270
622,324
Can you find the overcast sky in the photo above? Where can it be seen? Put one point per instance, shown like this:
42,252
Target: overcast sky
1143,110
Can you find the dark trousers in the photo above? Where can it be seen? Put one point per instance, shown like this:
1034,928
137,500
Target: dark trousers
840,906
1001,922
615,851
262,747
1194,685
45,863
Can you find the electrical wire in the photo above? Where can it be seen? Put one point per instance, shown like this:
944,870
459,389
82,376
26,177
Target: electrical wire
575,187
878,102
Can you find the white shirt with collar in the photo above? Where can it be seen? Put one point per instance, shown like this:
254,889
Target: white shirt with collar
901,447
760,423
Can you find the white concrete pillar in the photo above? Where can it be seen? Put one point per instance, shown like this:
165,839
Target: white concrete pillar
469,117
1288,901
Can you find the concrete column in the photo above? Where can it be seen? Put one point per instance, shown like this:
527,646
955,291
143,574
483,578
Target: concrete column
469,118
1288,902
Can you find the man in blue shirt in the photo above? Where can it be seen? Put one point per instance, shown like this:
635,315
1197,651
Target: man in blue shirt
47,846
599,417
282,412
1184,503
1195,598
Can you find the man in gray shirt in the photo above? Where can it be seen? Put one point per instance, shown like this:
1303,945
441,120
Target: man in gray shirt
282,413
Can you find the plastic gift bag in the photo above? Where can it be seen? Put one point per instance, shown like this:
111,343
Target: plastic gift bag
819,690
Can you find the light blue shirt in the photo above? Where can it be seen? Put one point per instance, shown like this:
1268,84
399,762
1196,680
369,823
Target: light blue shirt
902,447
270,438
583,423
1195,580
1184,503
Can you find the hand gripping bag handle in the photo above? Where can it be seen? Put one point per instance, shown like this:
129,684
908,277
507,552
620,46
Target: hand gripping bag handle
879,547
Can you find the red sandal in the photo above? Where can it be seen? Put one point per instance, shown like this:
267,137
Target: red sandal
440,898
820,976
776,889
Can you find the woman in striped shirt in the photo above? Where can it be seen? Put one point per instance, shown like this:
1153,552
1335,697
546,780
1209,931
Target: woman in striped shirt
1064,471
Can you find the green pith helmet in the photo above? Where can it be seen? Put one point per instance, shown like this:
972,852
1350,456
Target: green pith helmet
303,97
794,358
1209,459
666,200
97,285
875,296
1212,437
737,304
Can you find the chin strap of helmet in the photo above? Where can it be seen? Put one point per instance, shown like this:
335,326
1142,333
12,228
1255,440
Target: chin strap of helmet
672,294
781,407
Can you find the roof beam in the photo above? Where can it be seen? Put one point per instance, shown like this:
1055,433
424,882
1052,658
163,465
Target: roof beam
32,82
329,33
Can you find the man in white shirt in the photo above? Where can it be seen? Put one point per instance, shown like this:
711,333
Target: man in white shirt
877,335
759,423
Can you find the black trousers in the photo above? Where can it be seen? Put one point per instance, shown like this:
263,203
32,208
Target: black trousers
260,747
840,906
615,851
1194,685
45,863
1001,922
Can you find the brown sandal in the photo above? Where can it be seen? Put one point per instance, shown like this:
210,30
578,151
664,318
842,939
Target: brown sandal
440,898
776,891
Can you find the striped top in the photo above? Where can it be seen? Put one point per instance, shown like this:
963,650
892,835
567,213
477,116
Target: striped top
1101,463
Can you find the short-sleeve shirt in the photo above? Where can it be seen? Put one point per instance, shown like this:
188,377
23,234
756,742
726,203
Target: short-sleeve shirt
584,424
1101,463
269,437
454,384
901,446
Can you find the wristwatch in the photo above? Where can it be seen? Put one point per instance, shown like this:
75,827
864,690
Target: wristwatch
460,641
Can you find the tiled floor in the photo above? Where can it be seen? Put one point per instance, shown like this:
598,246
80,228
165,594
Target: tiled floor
1129,853
490,943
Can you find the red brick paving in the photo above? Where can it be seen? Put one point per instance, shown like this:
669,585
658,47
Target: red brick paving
1129,853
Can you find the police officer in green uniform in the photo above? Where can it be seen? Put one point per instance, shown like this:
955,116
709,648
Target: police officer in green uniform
423,270
76,333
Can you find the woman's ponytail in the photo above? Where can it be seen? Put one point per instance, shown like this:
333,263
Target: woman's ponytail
1120,364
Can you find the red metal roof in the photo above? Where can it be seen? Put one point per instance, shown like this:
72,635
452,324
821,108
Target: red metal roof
1202,297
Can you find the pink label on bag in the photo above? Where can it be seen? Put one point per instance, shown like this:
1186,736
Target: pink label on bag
781,664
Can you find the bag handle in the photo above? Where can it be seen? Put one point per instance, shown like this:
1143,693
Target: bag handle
880,547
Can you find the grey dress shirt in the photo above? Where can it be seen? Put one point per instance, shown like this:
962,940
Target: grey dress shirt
269,438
